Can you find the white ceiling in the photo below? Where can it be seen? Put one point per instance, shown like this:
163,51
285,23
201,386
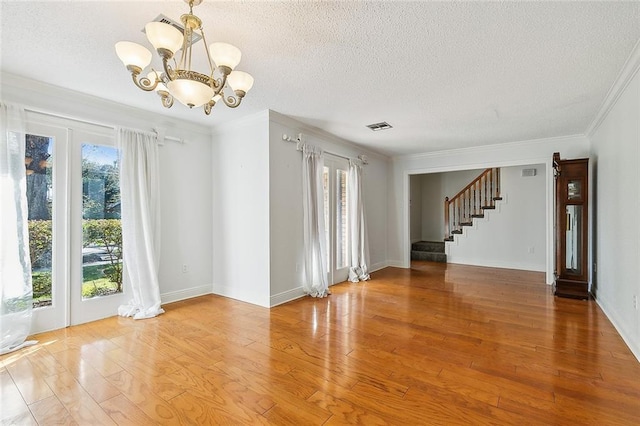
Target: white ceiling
443,74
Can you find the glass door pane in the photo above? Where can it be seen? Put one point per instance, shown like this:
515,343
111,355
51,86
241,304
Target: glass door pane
46,167
573,241
39,169
101,229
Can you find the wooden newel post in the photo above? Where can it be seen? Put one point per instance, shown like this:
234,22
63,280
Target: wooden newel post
490,187
447,229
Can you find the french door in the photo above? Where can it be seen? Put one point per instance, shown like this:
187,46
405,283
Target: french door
74,224
336,219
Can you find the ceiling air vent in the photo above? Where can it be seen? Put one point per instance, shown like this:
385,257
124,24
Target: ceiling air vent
380,126
161,18
529,172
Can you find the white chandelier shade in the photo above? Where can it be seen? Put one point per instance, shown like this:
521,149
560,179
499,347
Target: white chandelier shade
240,80
225,55
133,54
190,92
177,79
164,36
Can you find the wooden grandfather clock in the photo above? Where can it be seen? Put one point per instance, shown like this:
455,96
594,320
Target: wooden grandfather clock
571,240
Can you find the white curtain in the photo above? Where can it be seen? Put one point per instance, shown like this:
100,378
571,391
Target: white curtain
315,250
359,242
15,263
140,196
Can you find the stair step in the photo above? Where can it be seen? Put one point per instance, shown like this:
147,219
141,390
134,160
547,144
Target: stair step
449,239
488,207
428,246
479,216
457,231
466,223
425,255
497,198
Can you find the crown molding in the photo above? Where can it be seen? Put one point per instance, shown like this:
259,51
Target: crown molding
629,70
488,148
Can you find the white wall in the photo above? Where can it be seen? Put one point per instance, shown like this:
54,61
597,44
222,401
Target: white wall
240,167
185,177
513,235
499,155
615,147
185,181
285,189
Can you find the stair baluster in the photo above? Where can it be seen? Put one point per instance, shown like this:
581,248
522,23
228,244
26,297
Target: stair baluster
471,202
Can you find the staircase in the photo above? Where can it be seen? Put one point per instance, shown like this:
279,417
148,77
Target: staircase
470,203
428,250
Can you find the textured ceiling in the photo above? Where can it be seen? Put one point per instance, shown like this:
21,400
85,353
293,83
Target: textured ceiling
444,74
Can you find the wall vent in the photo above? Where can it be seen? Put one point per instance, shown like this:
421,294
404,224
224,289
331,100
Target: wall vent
380,126
529,172
165,20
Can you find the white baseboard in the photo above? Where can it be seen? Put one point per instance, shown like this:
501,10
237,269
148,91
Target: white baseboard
502,265
633,345
377,266
188,293
241,294
286,296
396,263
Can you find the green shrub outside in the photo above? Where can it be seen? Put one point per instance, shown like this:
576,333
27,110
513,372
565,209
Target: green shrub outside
106,233
98,280
40,239
41,285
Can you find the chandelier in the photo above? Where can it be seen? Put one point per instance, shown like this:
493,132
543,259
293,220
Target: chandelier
177,79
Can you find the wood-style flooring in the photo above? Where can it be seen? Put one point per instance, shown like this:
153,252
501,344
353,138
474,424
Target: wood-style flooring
435,345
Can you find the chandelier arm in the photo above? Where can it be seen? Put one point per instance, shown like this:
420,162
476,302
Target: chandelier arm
166,99
208,106
232,101
168,71
217,84
143,83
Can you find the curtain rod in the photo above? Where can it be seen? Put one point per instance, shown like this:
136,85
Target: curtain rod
93,123
298,139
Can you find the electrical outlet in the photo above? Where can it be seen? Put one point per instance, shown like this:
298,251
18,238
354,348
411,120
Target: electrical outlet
184,268
531,250
635,302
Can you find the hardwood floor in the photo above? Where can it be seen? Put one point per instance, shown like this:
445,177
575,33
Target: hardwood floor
437,344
